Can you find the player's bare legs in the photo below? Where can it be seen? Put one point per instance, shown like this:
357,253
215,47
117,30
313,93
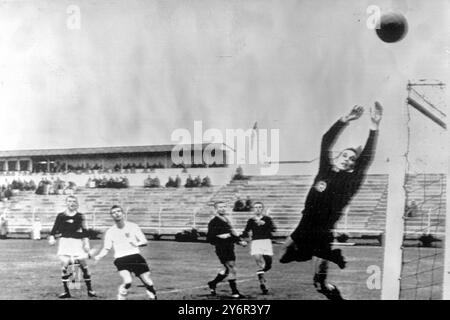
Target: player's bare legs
148,283
126,284
262,268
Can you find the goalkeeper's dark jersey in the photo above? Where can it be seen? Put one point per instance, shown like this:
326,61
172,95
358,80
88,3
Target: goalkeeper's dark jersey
69,226
333,190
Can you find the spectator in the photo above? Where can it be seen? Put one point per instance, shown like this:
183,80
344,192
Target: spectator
411,210
148,182
3,226
206,182
197,182
156,183
239,205
248,204
8,193
189,182
239,174
170,183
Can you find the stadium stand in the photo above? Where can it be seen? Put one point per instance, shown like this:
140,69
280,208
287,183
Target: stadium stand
166,211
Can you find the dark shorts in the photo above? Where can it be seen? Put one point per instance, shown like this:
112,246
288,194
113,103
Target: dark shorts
134,263
225,253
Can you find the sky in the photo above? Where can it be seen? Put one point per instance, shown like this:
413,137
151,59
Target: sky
137,70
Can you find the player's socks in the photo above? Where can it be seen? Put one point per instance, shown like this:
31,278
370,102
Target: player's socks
151,292
235,294
260,274
264,288
87,280
219,278
268,263
262,281
65,275
321,275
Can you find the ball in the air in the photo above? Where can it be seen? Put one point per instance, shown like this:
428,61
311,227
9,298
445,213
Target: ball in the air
392,27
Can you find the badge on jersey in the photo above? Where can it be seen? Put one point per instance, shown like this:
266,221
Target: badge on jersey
320,186
69,221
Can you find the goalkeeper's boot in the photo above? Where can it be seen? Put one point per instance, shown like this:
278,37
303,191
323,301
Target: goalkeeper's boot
332,292
327,289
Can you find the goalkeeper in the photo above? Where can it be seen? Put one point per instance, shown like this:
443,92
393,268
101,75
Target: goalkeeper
337,181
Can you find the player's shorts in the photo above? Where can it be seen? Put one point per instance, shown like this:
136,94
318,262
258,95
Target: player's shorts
225,253
71,247
134,263
262,247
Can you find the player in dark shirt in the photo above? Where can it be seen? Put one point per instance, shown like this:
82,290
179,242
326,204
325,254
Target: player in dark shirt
73,244
334,186
222,235
261,228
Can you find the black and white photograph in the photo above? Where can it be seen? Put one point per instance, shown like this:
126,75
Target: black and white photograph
224,151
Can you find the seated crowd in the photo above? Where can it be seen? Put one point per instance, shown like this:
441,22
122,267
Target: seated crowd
8,190
197,182
176,183
55,186
104,182
62,167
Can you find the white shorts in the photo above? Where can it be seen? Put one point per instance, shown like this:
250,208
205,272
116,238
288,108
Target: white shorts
261,246
71,247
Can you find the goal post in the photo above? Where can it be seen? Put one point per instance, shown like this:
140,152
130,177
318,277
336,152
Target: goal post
393,239
398,195
446,281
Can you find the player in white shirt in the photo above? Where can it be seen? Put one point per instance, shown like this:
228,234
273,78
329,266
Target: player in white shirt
126,238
